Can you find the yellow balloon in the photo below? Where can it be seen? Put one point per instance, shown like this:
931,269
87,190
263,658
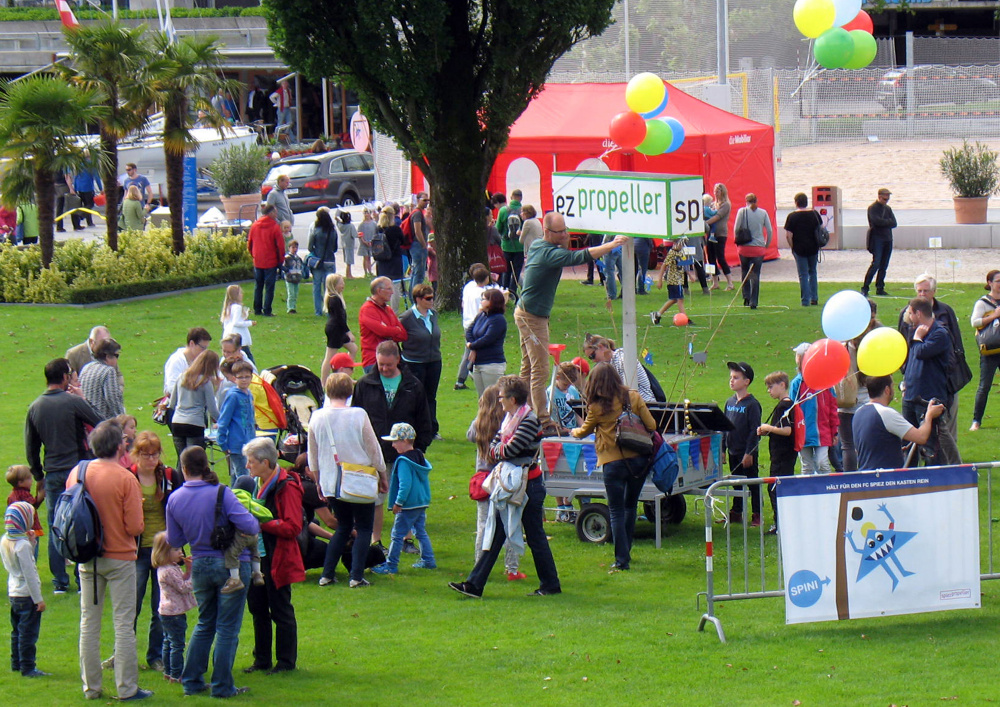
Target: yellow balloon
645,92
881,352
813,17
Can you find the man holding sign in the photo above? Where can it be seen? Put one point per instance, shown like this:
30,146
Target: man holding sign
545,261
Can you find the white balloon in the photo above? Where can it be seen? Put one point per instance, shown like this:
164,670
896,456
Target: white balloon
845,11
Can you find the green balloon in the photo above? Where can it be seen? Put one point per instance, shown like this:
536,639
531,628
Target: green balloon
658,138
865,49
834,48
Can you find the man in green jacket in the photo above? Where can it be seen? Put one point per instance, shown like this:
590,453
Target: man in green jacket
510,242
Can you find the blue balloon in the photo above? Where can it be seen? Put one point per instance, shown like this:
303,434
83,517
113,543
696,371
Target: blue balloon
846,315
678,131
659,109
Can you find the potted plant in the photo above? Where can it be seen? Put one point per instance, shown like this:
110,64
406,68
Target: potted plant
974,176
238,172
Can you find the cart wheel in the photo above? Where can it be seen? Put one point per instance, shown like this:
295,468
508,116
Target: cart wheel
672,508
593,523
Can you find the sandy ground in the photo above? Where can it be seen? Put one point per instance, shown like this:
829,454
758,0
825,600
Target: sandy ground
910,170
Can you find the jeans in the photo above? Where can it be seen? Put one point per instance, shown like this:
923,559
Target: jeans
815,460
429,375
941,448
55,484
487,374
219,619
642,250
534,334
848,450
273,604
25,622
988,366
418,260
623,489
751,284
117,578
736,468
174,631
881,252
319,274
350,516
463,367
408,519
237,466
512,278
292,295
531,520
263,289
144,572
612,262
806,265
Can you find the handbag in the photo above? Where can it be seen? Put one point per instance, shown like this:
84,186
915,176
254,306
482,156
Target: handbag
988,337
743,235
476,490
498,263
224,532
821,234
357,484
313,261
631,433
161,411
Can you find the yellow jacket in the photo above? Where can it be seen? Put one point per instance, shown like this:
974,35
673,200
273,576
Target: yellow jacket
602,424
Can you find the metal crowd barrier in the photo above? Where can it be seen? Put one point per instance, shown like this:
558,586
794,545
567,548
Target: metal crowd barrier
752,561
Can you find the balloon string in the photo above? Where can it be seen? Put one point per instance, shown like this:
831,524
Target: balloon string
810,397
725,313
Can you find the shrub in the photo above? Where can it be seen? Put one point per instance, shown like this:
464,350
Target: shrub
144,263
240,168
971,170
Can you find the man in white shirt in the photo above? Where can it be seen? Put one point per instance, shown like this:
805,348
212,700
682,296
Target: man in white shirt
198,340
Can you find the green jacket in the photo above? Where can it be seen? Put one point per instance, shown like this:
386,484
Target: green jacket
542,270
509,242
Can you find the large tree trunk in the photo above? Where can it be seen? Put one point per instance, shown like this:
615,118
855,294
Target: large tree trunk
45,198
109,176
175,192
459,216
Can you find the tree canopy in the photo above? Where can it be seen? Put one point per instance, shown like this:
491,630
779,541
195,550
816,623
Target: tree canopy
446,79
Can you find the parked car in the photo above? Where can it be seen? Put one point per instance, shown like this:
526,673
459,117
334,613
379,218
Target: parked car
338,178
935,84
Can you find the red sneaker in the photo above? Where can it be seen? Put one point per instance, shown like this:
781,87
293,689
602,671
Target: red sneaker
515,576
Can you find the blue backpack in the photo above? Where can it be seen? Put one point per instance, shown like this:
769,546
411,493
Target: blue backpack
663,467
76,526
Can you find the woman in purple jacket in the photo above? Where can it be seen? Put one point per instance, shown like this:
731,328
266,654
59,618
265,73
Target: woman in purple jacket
191,518
485,338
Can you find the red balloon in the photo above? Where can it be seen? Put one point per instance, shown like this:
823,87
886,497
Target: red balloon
680,319
627,129
861,21
825,364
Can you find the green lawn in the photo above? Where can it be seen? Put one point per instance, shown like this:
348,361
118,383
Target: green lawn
631,636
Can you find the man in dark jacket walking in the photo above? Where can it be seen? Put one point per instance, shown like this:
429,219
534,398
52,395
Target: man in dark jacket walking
881,221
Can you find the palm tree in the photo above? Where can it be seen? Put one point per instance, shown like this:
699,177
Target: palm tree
40,119
112,57
183,77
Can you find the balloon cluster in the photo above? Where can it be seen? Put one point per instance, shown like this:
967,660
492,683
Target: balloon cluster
640,128
842,30
846,315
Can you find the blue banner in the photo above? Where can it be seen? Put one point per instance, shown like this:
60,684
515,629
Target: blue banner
190,197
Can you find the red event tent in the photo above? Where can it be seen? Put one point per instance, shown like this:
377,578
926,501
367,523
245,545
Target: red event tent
568,123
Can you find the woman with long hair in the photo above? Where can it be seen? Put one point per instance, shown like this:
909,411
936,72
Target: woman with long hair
338,331
133,216
193,399
624,471
716,245
323,246
393,267
484,340
348,240
235,318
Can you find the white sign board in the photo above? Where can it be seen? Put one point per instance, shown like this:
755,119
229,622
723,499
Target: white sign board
630,203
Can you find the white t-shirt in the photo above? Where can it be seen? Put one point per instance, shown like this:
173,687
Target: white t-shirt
174,369
237,323
345,434
472,301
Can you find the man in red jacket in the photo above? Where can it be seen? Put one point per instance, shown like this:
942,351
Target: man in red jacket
267,247
378,322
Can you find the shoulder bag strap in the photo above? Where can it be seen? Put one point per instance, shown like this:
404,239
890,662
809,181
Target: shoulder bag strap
218,504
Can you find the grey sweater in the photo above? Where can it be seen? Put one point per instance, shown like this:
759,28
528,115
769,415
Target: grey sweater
190,406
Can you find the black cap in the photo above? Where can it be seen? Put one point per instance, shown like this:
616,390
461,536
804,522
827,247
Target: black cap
743,367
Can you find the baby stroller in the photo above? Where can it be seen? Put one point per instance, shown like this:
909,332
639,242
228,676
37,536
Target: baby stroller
301,394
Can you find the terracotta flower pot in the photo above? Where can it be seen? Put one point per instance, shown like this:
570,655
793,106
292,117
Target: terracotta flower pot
234,206
971,209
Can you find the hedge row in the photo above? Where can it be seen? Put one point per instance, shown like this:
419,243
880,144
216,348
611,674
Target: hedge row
90,295
50,14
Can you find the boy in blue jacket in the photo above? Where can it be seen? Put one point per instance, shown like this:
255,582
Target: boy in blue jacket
236,420
409,496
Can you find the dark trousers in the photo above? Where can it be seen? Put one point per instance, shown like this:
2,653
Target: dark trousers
25,622
780,466
716,255
623,487
593,240
736,468
186,436
429,374
531,520
988,366
512,278
350,516
849,453
144,572
751,282
643,247
270,604
941,448
87,197
263,289
881,252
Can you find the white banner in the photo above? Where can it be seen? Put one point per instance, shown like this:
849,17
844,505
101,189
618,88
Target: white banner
879,543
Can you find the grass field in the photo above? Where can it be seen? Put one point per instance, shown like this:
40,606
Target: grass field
607,639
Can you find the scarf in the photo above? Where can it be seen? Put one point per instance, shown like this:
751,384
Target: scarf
18,519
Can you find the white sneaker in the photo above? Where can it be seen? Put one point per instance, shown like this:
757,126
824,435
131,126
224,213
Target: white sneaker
324,581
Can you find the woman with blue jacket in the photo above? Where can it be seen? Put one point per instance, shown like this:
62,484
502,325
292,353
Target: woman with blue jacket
485,339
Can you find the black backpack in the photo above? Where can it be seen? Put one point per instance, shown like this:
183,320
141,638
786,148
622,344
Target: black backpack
76,525
380,247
